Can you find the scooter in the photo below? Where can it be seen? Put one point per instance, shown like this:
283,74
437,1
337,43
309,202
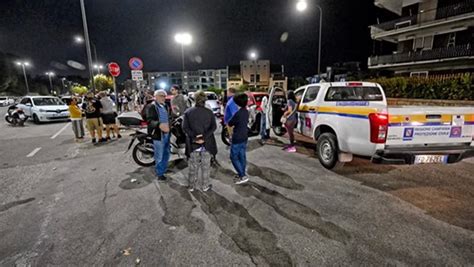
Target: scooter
15,116
143,150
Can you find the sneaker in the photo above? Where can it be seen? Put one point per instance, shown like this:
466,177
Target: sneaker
108,138
119,136
94,141
242,180
291,149
191,189
162,178
207,188
103,140
285,147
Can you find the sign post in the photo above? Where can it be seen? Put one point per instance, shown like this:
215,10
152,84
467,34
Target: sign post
114,70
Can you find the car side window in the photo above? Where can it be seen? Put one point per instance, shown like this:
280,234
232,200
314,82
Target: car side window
24,101
299,93
311,94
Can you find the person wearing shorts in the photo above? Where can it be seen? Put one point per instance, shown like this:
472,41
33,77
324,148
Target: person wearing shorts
109,116
92,107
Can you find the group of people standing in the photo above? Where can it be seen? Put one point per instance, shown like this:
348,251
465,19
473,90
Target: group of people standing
99,112
199,125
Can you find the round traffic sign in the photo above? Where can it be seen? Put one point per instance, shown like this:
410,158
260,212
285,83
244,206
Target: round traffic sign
135,63
114,69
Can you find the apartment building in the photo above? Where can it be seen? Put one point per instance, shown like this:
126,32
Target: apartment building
430,37
190,80
259,74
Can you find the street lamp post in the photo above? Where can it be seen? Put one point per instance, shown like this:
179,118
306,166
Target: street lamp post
23,65
64,85
301,6
88,46
50,75
183,39
254,57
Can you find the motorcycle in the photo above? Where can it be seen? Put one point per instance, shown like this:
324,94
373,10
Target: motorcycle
15,116
253,125
143,150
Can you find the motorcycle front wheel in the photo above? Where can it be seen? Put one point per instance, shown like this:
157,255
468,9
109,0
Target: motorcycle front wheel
142,158
225,136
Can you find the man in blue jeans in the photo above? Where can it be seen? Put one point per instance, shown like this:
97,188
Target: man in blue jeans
159,130
238,148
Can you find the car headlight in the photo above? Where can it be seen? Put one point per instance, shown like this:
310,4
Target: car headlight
41,110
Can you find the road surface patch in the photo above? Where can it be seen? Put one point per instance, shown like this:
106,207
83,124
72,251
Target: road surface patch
32,153
60,131
15,203
274,176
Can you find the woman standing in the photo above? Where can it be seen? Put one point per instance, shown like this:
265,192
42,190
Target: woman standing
109,115
76,119
290,119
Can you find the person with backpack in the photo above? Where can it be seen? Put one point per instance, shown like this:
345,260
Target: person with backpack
159,129
199,126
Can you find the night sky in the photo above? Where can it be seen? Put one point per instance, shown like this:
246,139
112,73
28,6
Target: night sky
223,30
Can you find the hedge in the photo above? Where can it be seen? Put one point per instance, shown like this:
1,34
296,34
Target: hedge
459,87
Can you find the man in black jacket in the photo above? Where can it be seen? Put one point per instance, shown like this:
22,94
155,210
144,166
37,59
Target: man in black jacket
158,128
199,125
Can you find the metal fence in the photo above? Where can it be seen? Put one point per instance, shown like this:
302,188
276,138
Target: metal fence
437,53
437,14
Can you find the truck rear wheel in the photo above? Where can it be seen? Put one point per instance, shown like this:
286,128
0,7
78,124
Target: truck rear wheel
328,151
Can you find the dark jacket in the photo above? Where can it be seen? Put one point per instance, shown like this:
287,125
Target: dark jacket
240,121
197,121
153,119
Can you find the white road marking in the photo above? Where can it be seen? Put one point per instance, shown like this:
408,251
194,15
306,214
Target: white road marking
60,131
33,152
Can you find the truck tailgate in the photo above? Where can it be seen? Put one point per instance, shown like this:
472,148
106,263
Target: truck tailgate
421,125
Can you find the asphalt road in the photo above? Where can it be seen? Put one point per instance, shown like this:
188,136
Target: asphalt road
74,204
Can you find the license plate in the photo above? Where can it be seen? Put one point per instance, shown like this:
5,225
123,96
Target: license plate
430,159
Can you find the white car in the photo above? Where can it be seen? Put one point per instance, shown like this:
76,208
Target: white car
353,118
212,103
6,101
44,108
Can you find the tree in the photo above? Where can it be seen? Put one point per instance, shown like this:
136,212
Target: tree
243,88
103,82
79,89
297,82
218,91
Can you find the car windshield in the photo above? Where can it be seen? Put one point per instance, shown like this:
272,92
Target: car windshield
47,101
211,97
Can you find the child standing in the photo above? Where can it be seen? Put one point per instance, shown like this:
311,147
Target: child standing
238,148
75,114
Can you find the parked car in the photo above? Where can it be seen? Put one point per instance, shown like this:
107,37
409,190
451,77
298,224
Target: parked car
212,102
257,98
44,108
353,118
6,101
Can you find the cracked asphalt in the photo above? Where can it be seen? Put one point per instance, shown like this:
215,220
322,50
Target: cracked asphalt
74,204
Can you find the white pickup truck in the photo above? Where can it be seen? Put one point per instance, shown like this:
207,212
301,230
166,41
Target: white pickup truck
353,118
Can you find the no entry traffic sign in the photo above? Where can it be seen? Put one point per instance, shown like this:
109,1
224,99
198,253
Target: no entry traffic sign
114,69
135,63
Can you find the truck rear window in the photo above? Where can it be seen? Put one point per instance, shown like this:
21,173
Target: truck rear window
355,93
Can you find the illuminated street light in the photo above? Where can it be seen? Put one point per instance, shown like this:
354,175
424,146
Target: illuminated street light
183,39
50,75
98,68
162,85
23,65
301,6
254,56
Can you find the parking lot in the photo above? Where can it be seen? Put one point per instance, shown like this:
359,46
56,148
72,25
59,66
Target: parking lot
74,203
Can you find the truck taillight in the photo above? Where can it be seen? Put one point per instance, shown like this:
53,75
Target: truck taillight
378,127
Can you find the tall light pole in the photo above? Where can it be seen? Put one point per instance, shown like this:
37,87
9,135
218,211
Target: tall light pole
50,76
183,39
253,55
98,68
23,65
64,85
88,46
79,40
301,6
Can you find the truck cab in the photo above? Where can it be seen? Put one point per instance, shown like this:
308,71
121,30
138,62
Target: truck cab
353,118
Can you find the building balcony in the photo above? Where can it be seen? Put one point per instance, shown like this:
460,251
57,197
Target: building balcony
462,53
435,21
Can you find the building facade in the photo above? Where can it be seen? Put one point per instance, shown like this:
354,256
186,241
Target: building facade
260,74
430,37
189,80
